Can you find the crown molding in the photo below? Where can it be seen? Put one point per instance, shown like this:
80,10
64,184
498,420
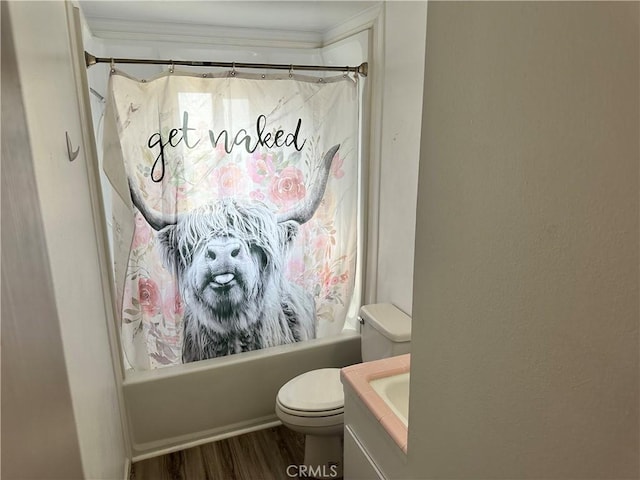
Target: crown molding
199,34
119,29
356,24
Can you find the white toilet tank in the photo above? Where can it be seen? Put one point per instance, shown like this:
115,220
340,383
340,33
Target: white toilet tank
385,331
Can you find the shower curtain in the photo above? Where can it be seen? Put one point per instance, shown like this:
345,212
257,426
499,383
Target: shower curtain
234,213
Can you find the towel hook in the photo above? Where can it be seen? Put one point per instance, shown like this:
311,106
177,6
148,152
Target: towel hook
72,154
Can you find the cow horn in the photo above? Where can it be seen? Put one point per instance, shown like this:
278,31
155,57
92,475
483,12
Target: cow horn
303,212
157,220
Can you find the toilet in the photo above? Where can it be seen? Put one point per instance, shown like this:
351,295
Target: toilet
313,403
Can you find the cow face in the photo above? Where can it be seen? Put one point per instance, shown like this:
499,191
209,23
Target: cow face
225,255
225,273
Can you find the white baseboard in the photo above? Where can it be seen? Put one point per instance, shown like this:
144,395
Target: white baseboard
204,440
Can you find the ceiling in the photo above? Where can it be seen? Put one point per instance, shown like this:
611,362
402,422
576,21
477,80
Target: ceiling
311,17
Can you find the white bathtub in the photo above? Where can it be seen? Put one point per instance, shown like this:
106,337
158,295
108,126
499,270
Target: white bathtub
187,405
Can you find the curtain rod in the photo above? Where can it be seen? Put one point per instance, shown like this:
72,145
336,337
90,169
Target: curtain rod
362,69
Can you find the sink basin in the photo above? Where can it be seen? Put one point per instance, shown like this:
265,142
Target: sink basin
381,389
394,390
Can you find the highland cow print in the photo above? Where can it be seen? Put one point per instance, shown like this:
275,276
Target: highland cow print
229,259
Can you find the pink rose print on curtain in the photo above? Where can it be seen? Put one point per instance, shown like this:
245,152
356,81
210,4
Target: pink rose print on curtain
172,307
287,187
229,179
260,166
336,167
142,235
149,296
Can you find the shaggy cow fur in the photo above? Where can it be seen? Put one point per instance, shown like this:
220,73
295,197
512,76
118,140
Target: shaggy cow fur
229,260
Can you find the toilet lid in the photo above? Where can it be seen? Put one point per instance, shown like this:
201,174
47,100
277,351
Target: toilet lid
318,390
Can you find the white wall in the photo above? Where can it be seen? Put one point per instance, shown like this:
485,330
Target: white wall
36,399
525,339
51,106
404,40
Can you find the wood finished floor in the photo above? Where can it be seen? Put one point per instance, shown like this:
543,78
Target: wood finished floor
261,455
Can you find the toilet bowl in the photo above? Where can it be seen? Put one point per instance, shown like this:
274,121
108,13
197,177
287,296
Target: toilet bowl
313,403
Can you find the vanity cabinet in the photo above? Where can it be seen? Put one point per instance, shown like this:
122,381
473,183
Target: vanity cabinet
358,465
369,451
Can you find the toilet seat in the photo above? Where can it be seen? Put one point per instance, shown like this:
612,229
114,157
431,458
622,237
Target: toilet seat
313,403
311,423
317,393
307,413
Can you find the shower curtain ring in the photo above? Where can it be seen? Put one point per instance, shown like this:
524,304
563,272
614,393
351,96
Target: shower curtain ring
113,65
233,69
290,71
171,67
